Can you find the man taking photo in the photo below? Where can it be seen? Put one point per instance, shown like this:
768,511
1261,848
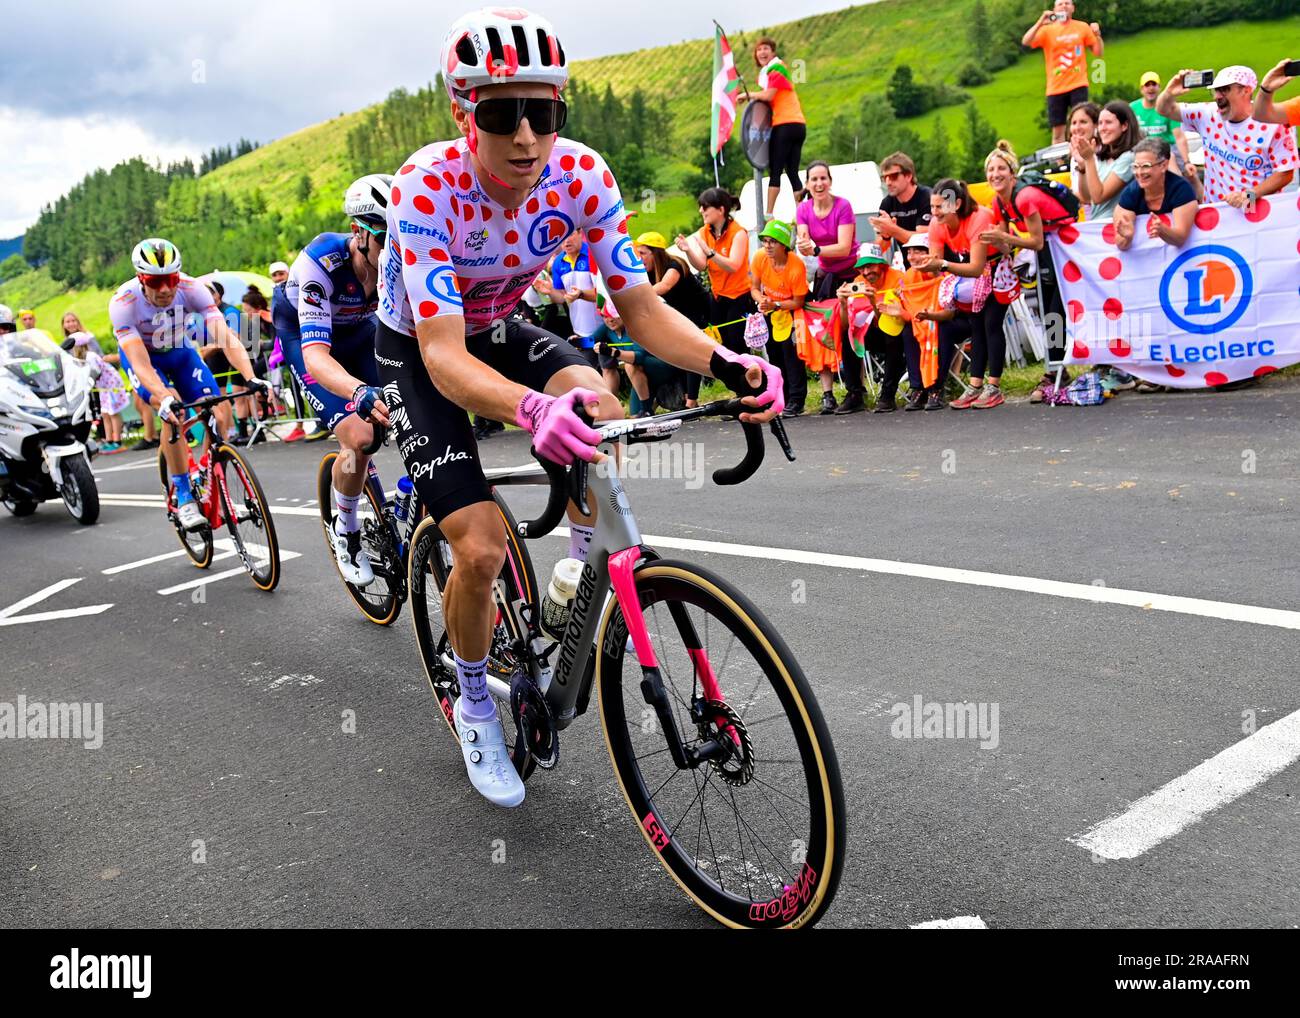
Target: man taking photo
1063,41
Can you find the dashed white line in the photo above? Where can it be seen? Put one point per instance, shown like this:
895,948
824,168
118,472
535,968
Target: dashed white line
285,556
960,922
1202,790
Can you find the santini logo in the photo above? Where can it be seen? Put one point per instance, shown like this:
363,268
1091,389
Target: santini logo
75,971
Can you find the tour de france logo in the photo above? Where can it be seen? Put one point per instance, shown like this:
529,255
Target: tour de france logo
548,231
1206,289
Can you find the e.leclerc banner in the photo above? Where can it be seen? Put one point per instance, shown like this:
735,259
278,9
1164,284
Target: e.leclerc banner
1223,307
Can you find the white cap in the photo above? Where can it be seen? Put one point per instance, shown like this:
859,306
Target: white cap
1235,74
921,240
277,267
6,315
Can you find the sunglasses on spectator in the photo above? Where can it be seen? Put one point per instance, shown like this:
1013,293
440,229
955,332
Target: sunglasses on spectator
892,174
502,116
160,282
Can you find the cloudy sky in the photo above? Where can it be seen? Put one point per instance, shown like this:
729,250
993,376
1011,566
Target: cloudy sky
90,84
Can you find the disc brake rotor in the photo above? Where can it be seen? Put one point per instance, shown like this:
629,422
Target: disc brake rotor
717,720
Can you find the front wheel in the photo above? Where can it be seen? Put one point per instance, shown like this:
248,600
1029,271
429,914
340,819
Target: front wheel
79,492
380,600
248,517
755,834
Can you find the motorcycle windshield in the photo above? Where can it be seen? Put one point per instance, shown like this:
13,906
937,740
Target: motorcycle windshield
34,359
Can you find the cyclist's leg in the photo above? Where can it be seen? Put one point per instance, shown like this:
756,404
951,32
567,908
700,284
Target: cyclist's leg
174,453
358,359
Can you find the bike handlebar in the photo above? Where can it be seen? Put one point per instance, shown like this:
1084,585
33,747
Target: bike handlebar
381,436
206,403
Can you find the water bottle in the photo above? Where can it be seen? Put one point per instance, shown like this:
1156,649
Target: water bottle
405,493
559,596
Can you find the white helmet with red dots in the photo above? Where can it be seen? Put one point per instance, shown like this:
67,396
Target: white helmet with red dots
499,45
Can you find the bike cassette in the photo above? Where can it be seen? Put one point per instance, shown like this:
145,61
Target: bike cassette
716,720
535,729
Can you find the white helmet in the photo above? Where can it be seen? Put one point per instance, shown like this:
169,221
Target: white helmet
495,45
6,315
156,257
366,200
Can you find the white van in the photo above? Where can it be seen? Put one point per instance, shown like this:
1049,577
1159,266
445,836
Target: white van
858,182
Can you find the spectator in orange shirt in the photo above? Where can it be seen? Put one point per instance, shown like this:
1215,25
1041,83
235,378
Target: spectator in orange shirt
779,286
881,285
1063,41
1266,111
789,129
721,246
930,354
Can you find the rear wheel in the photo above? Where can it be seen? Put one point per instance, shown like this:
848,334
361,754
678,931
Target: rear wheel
197,543
80,495
20,506
381,600
248,517
754,833
429,566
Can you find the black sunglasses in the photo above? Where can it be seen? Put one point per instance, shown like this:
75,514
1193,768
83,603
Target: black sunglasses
502,116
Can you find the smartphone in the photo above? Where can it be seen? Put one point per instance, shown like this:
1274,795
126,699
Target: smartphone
1292,69
1198,79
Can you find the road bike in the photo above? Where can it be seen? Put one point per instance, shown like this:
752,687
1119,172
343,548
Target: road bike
229,494
713,730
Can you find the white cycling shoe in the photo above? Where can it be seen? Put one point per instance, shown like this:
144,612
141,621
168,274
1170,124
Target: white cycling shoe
353,561
190,516
483,744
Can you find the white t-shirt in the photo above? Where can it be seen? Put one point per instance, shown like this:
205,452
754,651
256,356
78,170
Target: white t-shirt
1238,156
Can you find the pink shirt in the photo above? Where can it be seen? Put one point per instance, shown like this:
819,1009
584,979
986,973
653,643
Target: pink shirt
825,232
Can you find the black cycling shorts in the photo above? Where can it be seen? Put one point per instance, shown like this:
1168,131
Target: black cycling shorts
434,435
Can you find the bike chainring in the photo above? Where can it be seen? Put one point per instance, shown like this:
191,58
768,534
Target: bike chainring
717,720
535,729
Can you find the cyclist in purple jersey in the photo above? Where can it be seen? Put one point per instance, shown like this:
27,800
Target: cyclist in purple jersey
471,222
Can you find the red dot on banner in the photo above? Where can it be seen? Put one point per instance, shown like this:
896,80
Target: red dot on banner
1207,219
428,309
617,282
567,162
575,189
1215,378
1108,233
1110,268
1112,309
1120,347
595,236
449,177
432,182
396,195
1080,351
407,168
512,237
1076,310
1068,234
1260,212
1175,372
465,181
438,254
592,203
409,257
1071,272
608,178
587,162
510,261
1163,218
1267,369
552,199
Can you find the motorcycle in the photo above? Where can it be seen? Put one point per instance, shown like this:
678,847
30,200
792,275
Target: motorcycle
45,423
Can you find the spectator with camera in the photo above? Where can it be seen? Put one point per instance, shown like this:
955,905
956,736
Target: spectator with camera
905,210
1064,41
1155,124
1269,112
888,332
1238,166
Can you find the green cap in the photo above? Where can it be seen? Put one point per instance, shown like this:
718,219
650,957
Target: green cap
779,232
869,254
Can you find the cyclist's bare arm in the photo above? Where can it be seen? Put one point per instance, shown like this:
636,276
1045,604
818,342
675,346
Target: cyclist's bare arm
462,377
228,342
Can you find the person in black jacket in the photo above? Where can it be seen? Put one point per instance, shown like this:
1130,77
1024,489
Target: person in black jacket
673,280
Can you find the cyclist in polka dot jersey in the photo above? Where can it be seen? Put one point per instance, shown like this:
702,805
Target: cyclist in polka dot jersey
471,223
1244,158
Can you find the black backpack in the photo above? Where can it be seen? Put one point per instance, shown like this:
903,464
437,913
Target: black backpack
1052,188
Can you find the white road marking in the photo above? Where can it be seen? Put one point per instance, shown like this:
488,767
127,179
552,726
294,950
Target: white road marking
961,922
285,556
1143,599
1193,796
157,502
127,466
7,615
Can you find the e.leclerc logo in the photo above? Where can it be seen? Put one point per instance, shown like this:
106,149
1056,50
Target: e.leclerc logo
1207,289
625,257
548,232
441,282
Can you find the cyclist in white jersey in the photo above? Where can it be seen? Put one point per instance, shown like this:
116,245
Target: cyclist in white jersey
470,224
159,319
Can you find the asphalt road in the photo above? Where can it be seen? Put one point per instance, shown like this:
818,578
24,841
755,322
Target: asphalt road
226,793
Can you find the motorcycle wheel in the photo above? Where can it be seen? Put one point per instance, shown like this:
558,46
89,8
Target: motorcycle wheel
80,495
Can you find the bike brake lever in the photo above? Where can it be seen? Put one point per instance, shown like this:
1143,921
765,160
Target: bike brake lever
578,486
778,430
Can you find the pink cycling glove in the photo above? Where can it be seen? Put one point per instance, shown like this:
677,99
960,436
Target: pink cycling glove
558,433
729,368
